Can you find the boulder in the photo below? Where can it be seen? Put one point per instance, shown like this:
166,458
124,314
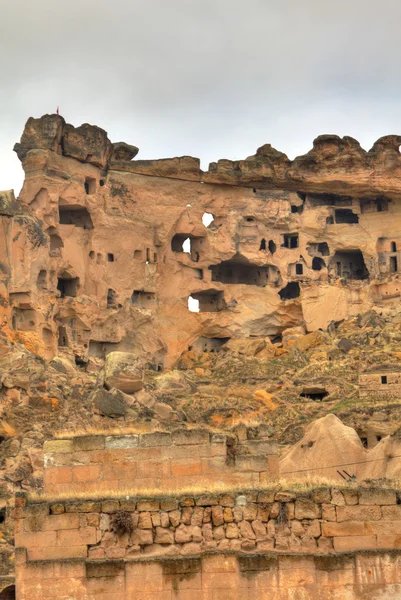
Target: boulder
44,134
122,152
172,380
344,345
123,371
62,365
246,346
109,404
311,340
87,143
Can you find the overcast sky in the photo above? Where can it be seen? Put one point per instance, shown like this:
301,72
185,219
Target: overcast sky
208,78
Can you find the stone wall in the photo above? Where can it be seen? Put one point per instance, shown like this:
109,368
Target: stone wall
156,461
271,544
324,521
222,577
381,384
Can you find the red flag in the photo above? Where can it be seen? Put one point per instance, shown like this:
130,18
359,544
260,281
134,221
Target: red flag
57,111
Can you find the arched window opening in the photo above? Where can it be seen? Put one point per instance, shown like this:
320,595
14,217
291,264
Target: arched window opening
393,247
262,244
42,280
318,264
90,185
8,593
56,243
111,298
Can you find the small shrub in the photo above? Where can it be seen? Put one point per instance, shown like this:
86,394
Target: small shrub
122,522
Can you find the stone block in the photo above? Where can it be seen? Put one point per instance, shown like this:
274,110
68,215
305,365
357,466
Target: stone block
351,543
121,441
190,437
148,505
391,513
348,528
183,468
358,513
307,509
56,475
379,497
389,542
86,473
350,496
145,521
89,442
329,512
58,447
217,516
78,537
86,506
206,500
110,506
148,440
168,505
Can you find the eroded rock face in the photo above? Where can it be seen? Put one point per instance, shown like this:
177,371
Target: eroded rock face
102,252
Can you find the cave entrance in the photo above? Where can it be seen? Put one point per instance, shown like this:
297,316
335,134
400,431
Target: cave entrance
290,291
345,215
143,299
318,264
73,214
209,300
67,286
314,393
205,344
369,205
238,271
350,264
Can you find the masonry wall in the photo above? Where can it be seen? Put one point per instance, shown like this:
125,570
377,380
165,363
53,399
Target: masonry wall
323,522
157,461
223,577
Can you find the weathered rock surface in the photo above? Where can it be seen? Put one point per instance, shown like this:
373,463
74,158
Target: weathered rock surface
124,372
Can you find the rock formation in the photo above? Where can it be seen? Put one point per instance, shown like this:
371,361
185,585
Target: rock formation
102,252
258,299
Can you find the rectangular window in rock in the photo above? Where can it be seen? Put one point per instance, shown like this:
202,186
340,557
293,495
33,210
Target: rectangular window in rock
291,240
67,286
78,216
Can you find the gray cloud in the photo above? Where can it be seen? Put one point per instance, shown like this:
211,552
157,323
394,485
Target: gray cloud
210,78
